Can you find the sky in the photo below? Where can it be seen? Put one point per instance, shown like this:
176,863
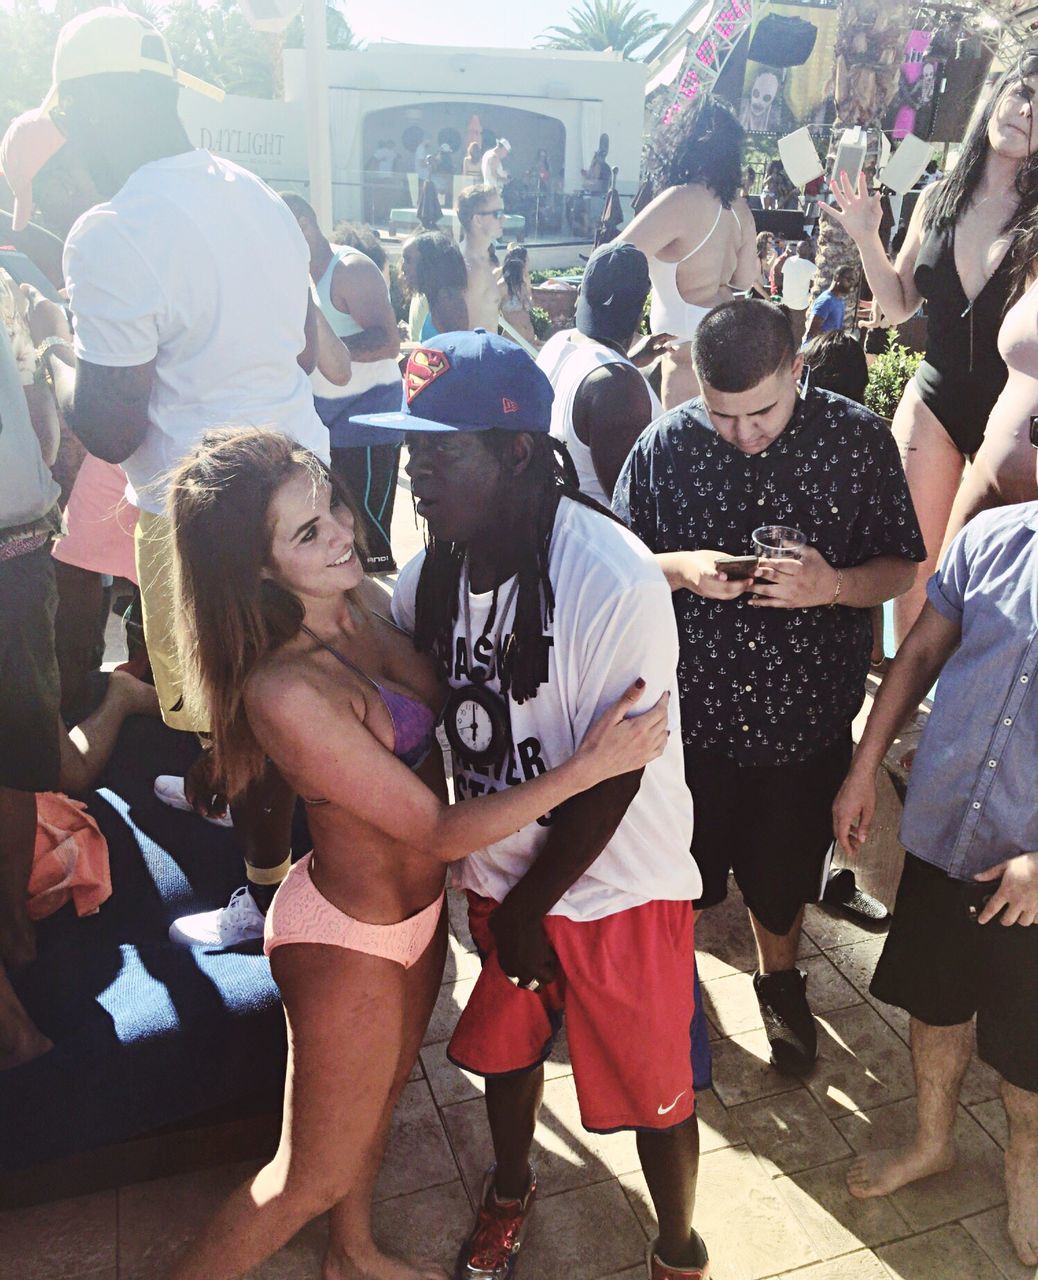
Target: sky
473,22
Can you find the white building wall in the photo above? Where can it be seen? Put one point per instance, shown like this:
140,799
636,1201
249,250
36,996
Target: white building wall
589,93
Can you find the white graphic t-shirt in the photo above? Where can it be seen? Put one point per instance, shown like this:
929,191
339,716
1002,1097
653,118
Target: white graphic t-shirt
613,622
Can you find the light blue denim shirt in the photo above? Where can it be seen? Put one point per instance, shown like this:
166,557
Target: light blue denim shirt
973,791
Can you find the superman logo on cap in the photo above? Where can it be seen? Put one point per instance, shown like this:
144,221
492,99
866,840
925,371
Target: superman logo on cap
424,366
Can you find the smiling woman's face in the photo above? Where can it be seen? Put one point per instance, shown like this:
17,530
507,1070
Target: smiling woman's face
311,550
1011,132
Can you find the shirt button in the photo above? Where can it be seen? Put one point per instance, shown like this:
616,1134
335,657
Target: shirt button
760,502
976,804
835,510
752,644
1008,720
764,453
991,764
1023,679
746,728
749,688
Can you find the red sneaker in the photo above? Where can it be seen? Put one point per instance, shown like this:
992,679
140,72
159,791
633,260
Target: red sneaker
656,1269
491,1251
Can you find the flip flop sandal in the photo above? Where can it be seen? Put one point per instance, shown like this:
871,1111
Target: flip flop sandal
842,892
656,1269
170,790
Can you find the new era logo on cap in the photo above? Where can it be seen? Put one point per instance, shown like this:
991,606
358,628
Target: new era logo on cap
509,406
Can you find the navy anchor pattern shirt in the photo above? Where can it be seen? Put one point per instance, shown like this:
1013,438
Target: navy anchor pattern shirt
770,686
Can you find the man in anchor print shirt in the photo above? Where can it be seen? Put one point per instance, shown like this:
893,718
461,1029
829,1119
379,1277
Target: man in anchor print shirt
772,668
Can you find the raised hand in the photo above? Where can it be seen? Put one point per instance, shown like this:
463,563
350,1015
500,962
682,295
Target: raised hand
856,211
649,348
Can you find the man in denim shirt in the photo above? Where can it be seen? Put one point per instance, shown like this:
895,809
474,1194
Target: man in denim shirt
964,942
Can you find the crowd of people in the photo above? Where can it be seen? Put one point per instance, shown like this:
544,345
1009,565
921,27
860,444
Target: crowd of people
643,627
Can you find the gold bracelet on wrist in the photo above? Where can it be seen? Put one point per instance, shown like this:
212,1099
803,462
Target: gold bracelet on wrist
839,588
49,343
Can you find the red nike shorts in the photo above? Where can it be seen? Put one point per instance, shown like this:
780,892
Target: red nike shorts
625,986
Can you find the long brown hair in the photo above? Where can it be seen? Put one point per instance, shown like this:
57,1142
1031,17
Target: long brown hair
229,615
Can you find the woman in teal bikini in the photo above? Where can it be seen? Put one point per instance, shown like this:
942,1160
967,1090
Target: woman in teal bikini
295,658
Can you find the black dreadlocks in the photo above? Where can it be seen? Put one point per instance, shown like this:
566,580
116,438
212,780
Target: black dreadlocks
523,666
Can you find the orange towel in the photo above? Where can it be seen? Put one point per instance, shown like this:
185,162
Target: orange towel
70,859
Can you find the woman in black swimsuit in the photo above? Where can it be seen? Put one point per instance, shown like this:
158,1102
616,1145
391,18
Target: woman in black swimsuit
968,250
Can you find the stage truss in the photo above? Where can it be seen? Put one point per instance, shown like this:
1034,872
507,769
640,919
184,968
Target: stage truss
706,51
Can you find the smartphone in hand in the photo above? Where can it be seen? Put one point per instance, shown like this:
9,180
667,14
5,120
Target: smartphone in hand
736,568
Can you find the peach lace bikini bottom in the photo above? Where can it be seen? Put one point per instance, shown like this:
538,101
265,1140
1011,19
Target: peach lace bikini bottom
301,913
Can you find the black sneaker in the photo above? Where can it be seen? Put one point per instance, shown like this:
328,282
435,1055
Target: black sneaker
788,1020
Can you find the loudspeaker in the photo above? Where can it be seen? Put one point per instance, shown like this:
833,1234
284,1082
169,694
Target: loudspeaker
851,151
906,167
962,79
799,158
781,41
787,223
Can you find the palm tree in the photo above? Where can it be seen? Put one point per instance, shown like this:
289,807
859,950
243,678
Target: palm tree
605,24
865,79
340,35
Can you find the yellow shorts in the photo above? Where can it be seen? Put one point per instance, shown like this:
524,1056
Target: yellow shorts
153,549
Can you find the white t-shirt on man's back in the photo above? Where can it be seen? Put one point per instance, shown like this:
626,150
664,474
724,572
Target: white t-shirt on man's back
797,274
196,264
613,622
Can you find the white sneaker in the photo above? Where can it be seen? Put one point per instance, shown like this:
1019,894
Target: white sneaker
170,790
240,921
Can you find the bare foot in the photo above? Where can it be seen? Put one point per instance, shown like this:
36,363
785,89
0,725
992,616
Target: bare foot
1022,1189
379,1266
881,1172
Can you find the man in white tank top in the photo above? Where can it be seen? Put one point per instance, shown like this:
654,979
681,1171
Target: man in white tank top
354,298
602,403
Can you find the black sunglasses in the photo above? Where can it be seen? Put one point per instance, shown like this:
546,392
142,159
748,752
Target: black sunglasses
1033,433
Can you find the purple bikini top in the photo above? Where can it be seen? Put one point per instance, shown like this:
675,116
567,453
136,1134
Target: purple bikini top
414,725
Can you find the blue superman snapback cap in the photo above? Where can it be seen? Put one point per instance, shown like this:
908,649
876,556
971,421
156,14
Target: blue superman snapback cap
470,381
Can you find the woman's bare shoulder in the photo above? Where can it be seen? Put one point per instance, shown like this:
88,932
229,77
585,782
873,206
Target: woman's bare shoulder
279,678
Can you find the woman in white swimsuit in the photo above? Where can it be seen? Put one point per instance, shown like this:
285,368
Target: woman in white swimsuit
698,234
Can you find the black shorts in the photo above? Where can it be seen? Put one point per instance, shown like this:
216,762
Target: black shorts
30,690
944,968
772,825
370,476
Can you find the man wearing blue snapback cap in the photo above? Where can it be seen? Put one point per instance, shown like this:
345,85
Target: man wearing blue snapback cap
541,609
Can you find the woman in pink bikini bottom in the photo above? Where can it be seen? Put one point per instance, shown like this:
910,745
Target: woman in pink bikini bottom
294,656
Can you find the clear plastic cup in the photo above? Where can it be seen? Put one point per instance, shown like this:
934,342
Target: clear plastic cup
779,542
